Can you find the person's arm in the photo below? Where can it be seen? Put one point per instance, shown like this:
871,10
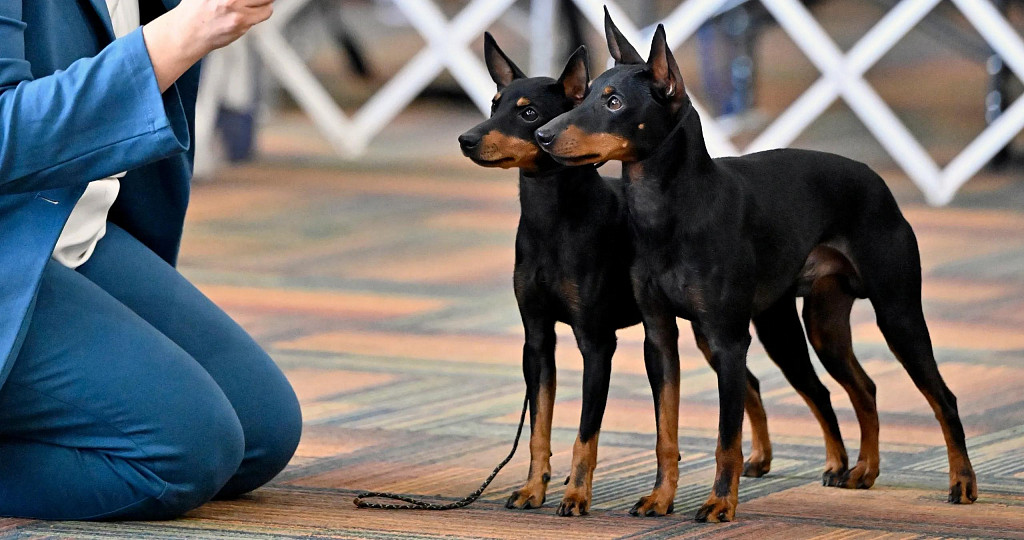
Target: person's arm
113,112
182,36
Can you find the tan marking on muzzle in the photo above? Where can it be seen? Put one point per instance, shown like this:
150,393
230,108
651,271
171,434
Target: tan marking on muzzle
505,151
597,147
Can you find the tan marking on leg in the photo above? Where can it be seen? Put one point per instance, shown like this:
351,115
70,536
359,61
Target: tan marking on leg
760,461
836,459
660,501
533,493
961,473
721,504
829,331
576,501
864,473
668,438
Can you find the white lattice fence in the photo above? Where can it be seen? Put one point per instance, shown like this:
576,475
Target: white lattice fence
842,76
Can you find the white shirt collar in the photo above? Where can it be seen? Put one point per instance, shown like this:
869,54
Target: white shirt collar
124,15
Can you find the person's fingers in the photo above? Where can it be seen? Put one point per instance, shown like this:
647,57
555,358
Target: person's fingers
258,15
256,3
258,11
251,16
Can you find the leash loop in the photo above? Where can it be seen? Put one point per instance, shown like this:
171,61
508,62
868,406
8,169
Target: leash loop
415,504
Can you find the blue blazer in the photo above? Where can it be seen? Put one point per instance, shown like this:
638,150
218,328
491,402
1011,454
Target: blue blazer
75,106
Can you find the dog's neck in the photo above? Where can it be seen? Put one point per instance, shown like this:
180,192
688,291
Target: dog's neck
546,197
678,179
681,155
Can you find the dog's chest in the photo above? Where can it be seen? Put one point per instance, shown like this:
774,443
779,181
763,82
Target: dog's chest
649,215
542,284
678,287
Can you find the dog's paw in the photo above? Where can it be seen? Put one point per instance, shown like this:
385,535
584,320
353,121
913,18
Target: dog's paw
832,478
527,497
655,504
861,476
716,509
756,469
574,503
963,488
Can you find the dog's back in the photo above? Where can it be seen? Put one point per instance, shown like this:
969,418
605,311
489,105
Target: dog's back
796,200
836,188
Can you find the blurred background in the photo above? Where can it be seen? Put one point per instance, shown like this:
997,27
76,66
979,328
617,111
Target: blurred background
334,217
371,81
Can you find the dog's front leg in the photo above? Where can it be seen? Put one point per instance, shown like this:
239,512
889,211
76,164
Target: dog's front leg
760,459
728,344
661,358
597,348
539,372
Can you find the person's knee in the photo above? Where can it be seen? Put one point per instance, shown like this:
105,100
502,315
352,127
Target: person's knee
271,438
206,458
287,428
280,428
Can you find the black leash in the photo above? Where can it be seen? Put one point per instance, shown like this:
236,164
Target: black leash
415,504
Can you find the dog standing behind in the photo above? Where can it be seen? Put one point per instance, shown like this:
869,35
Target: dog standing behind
725,241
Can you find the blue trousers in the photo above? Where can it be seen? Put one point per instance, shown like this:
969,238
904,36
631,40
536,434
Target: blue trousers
135,397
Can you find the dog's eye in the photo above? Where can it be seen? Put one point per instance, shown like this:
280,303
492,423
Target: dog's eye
529,114
614,103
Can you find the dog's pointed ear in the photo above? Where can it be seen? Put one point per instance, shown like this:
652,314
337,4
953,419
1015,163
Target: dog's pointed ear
576,76
667,80
503,71
621,50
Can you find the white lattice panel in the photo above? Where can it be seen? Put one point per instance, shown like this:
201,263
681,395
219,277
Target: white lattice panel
842,76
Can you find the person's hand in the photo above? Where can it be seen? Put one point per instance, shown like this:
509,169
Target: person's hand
216,23
183,35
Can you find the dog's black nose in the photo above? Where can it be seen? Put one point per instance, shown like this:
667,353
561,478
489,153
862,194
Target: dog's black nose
545,137
468,141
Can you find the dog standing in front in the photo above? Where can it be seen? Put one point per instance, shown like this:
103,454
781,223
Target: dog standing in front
725,241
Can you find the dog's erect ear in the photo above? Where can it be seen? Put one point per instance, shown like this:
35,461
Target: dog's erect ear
503,71
667,80
576,76
621,50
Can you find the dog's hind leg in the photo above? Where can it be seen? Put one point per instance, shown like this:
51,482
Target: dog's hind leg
539,372
760,460
597,348
895,292
827,316
778,329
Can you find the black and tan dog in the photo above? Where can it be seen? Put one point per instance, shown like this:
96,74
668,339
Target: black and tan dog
725,241
573,254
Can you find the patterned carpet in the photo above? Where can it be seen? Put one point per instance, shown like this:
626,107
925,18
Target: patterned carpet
385,294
